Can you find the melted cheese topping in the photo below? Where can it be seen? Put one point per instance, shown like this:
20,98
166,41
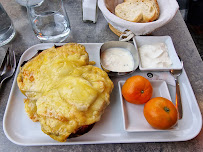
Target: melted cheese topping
64,92
78,92
51,64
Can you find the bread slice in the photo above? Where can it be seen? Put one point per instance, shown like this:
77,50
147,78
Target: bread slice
154,3
149,12
136,11
130,11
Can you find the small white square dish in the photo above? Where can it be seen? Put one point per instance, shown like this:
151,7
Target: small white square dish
152,40
133,117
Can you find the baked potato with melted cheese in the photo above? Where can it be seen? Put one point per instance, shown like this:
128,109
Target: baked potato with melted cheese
64,92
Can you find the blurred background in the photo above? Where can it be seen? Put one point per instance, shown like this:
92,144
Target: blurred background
192,12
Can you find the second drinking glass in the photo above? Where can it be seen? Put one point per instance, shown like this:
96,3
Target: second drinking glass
49,20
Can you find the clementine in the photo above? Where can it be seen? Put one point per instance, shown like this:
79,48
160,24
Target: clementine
137,90
160,113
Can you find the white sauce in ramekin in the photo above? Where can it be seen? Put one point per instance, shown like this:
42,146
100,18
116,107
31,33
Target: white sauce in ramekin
154,56
117,60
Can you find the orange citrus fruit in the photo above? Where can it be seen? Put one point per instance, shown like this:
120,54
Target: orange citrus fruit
137,90
160,113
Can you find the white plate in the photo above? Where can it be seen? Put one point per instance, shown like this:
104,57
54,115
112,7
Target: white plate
149,40
22,131
133,117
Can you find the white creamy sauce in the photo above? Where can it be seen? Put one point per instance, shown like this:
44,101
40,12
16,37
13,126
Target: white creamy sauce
155,56
117,60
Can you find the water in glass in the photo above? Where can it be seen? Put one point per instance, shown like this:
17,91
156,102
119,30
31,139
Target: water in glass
49,25
7,31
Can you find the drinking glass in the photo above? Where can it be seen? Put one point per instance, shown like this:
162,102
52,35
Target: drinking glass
7,31
49,20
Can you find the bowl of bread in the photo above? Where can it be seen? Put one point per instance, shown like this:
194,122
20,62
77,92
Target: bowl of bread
141,17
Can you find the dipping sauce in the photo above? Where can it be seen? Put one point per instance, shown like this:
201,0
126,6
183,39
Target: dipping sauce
117,60
155,56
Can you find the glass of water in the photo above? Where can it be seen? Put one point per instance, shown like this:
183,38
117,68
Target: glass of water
7,31
49,20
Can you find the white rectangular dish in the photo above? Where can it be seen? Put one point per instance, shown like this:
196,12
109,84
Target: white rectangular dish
22,131
150,40
133,117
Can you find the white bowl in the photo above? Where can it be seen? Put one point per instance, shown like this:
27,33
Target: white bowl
133,117
118,44
168,9
143,40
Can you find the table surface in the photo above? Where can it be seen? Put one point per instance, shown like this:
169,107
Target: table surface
99,33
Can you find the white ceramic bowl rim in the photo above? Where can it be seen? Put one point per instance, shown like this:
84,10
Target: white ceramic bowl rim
168,9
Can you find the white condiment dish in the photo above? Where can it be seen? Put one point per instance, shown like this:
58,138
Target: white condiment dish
151,40
123,45
133,117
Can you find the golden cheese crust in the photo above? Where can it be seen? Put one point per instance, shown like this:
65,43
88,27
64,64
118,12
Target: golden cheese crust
50,65
63,91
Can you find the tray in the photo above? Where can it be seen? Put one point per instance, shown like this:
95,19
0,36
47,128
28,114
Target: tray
20,130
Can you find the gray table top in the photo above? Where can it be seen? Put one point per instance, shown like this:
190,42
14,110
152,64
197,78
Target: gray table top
99,33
